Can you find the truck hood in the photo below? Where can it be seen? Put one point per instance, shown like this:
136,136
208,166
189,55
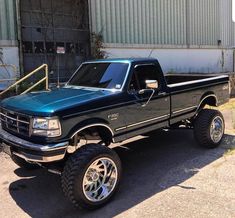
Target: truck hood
48,102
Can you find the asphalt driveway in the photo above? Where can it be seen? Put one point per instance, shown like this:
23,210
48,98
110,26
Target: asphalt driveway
165,175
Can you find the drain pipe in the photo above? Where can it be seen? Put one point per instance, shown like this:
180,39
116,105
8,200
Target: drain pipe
233,60
19,36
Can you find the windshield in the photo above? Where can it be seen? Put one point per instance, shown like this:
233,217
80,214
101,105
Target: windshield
100,75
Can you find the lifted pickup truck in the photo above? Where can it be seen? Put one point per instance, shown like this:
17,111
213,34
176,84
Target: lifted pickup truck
104,102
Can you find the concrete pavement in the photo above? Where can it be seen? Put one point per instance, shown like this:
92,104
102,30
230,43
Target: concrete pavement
165,175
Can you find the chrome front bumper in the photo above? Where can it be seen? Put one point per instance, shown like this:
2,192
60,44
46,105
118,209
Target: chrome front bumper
32,152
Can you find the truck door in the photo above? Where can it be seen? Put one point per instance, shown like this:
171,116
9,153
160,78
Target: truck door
151,107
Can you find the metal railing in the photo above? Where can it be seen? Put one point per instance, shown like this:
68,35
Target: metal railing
44,66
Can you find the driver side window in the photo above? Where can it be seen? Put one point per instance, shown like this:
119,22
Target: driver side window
141,74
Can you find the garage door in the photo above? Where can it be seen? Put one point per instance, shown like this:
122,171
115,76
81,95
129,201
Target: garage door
49,24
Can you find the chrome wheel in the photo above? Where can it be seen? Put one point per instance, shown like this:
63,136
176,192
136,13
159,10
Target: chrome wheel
217,129
100,179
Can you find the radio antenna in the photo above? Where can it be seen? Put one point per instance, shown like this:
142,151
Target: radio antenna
151,52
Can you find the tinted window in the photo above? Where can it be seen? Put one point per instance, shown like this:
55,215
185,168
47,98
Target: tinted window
141,74
100,75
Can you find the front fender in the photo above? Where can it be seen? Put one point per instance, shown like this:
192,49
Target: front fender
89,123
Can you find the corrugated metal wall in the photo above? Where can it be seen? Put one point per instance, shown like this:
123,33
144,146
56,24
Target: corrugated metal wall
140,21
7,20
169,22
159,22
203,22
227,33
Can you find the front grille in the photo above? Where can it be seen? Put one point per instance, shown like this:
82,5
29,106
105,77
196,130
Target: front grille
14,122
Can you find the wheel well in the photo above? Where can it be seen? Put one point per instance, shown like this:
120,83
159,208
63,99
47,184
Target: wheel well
210,100
99,132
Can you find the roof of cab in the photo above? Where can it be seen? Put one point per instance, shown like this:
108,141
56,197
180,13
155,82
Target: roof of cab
122,60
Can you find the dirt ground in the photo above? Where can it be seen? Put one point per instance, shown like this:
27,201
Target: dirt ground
165,175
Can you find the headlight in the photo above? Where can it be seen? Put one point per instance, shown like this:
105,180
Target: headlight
49,127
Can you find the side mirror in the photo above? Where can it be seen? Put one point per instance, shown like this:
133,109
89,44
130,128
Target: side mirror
151,84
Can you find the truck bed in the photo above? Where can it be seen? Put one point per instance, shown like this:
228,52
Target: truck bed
181,82
187,92
179,78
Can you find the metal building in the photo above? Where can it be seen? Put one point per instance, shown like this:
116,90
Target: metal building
48,24
33,29
7,22
9,55
185,35
184,23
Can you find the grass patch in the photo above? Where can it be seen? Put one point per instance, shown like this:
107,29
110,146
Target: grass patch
230,152
230,105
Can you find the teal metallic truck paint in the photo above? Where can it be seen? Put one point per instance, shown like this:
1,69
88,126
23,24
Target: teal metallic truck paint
104,102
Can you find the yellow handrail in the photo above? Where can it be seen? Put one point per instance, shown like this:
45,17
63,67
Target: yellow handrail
44,66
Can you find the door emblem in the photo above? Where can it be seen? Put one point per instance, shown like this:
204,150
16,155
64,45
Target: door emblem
226,87
113,116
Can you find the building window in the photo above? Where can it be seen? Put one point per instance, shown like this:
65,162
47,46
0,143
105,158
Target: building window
70,48
27,47
50,47
38,47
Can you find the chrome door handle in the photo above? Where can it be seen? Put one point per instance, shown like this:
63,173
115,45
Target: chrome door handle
161,93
